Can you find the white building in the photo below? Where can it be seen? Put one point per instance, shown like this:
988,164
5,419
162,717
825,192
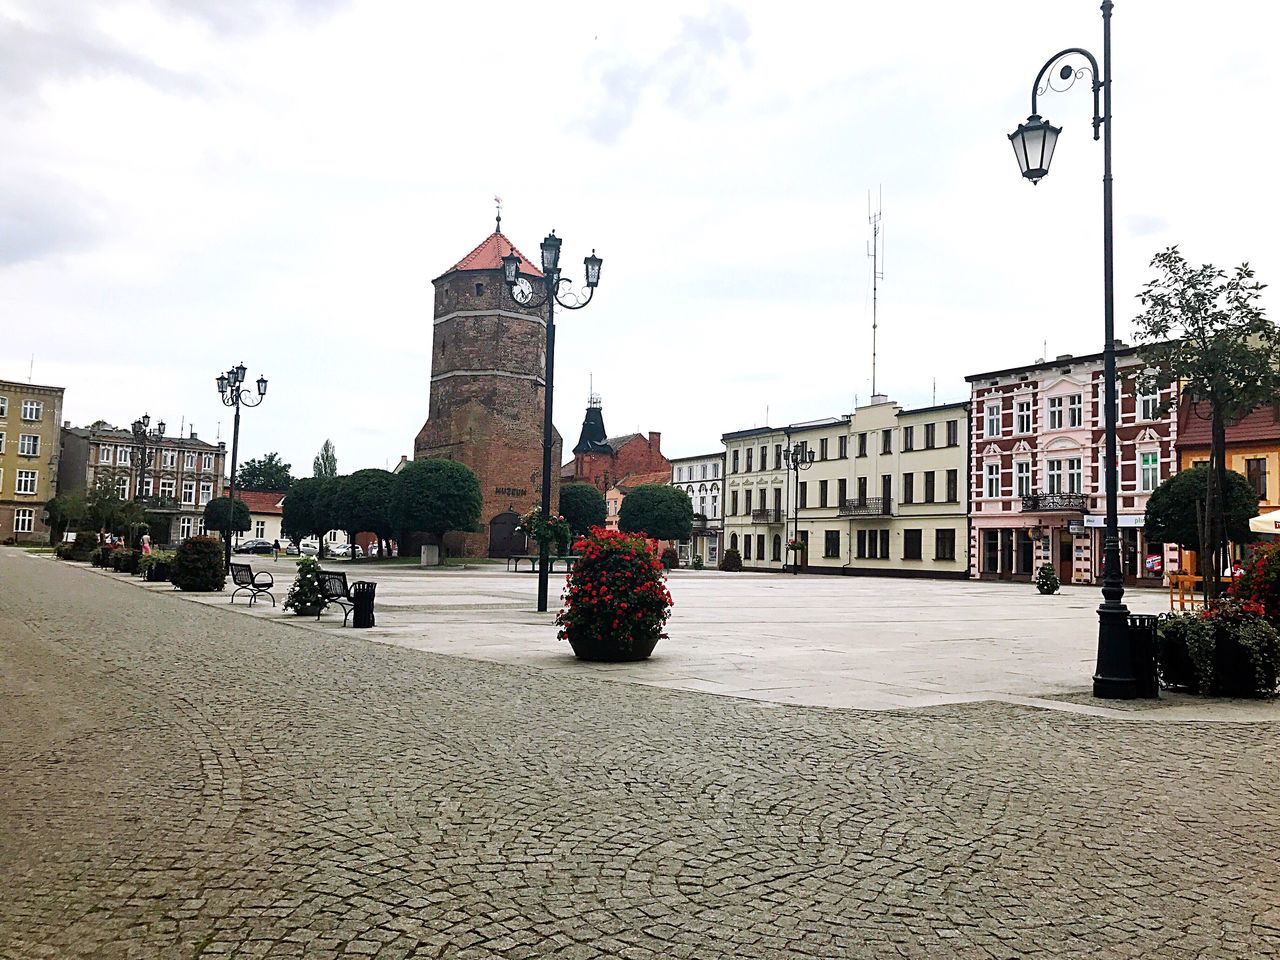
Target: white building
701,478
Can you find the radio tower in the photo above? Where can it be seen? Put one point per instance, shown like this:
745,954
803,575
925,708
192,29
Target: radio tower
875,250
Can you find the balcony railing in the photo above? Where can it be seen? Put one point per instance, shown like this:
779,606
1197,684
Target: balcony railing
866,507
766,515
1055,503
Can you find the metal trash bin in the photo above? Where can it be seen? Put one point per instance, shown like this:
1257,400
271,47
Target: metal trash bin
362,592
1142,645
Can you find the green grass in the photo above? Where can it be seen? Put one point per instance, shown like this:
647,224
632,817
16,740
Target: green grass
35,547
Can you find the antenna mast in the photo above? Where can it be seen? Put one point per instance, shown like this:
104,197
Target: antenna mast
875,250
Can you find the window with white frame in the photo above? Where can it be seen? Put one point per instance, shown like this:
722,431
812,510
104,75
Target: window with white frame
993,480
1148,405
200,526
188,491
122,488
1075,476
715,470
1022,417
147,486
168,459
28,445
1149,474
702,472
1055,476
24,520
1075,410
32,410
104,453
184,527
1055,413
259,528
168,488
333,536
189,461
4,406
993,420
1,443
124,456
1022,478
206,492
26,481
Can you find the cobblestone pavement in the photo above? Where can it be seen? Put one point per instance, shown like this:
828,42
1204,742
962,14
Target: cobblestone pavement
178,781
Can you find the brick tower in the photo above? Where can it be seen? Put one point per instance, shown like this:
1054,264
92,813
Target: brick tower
487,393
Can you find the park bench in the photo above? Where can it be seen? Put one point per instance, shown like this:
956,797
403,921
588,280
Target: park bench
247,581
513,562
334,588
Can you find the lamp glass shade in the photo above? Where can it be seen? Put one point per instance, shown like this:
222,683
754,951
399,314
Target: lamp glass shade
262,386
1033,144
592,265
550,253
239,370
136,427
146,419
160,428
222,383
510,269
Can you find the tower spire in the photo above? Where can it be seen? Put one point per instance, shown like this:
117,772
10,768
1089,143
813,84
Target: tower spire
497,202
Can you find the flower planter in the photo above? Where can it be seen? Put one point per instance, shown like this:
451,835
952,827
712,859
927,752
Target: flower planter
607,650
157,573
312,610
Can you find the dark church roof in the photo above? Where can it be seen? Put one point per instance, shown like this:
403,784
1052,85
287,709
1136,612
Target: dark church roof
593,438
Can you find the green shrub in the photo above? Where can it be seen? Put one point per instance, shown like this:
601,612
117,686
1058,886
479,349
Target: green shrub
731,561
670,559
697,561
85,543
1227,650
305,593
1177,636
197,565
1047,581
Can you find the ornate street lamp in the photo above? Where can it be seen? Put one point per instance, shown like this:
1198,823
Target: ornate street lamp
145,441
798,457
234,395
554,291
1033,144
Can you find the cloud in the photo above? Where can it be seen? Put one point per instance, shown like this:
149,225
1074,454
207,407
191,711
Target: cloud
247,18
688,74
42,216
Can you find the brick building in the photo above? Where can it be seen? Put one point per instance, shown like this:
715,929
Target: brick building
29,450
487,393
603,461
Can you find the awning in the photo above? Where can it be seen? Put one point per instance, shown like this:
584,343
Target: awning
1266,523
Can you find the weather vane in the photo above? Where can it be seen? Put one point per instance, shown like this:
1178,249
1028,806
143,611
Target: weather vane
497,201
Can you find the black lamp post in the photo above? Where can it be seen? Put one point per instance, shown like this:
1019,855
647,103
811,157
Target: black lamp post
798,457
522,292
145,441
231,389
1033,144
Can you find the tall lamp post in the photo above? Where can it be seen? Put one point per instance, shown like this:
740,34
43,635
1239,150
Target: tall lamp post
799,457
145,441
522,292
1033,144
231,389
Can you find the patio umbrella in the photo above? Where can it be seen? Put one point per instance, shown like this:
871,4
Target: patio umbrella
1266,523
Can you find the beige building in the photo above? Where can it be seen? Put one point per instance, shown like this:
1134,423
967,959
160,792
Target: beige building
757,499
30,426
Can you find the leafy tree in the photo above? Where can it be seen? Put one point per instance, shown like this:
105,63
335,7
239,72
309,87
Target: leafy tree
660,510
436,496
103,501
265,473
307,510
1206,329
220,516
368,496
65,510
582,505
1174,508
325,464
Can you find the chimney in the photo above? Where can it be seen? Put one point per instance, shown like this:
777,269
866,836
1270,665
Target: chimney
66,424
193,432
1062,356
655,441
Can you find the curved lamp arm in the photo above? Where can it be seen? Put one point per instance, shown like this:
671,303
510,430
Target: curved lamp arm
1070,74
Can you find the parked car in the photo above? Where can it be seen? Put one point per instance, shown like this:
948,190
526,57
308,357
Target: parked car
253,546
344,550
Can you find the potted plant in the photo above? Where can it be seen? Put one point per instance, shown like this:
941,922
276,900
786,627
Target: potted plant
615,600
553,531
731,561
1228,649
197,565
154,566
305,597
1047,581
670,559
697,561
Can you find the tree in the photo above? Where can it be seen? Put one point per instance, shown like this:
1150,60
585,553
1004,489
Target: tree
368,507
265,473
325,464
307,510
104,501
1174,508
660,510
1207,330
582,505
220,516
65,510
436,496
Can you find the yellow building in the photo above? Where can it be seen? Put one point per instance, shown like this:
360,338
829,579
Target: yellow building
1253,448
30,431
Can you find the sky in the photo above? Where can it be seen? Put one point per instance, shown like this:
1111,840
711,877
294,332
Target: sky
187,185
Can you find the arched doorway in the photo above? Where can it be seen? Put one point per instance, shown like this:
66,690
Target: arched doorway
504,540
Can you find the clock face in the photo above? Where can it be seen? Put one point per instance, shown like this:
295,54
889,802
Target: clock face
522,291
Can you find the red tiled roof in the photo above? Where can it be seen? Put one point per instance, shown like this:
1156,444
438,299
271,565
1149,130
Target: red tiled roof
633,480
1195,429
488,256
262,501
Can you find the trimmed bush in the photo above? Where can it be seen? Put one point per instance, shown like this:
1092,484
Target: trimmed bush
670,559
197,565
697,561
1047,581
731,561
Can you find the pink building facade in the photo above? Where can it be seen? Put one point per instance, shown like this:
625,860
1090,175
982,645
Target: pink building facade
1036,470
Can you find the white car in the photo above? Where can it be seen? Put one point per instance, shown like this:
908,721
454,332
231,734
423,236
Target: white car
344,550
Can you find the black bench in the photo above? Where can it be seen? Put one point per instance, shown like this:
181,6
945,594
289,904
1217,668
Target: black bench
247,581
513,562
334,588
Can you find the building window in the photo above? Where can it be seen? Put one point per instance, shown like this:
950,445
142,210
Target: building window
993,420
124,456
930,435
1075,476
333,536
842,491
831,544
760,547
1055,476
750,452
1075,410
167,488
930,491
1,442
777,457
189,461
1055,413
861,548
122,488
908,438
206,492
764,458
168,459
1022,478
822,493
862,491
28,444
26,481
1255,470
184,527
104,453
735,461
777,500
4,406
1150,473
747,507
1148,405
842,446
886,490
24,520
802,494
884,544
911,540
146,487
1022,416
714,507
188,491
873,545
746,547
733,541
715,471
822,448
908,488
200,526
944,544
32,410
993,480
777,548
886,441
702,474
953,433
953,486
862,444
259,528
733,503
